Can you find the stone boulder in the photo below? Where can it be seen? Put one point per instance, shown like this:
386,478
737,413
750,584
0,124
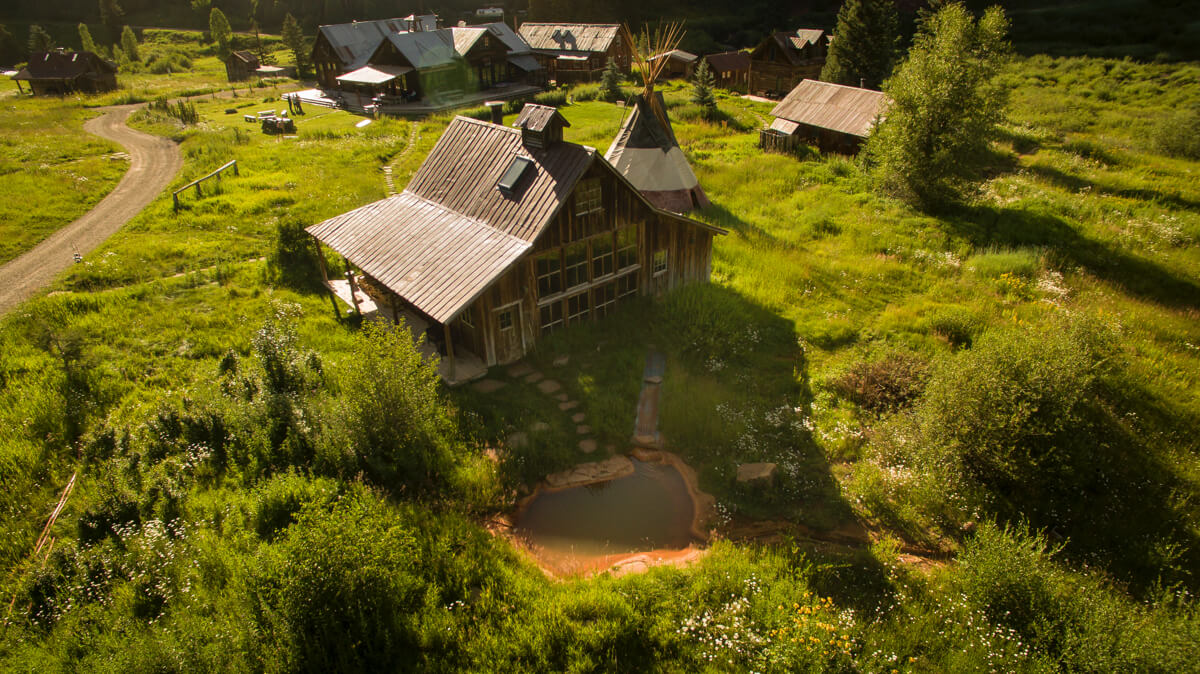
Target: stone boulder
756,473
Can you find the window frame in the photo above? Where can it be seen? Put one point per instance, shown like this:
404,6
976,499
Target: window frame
587,203
661,268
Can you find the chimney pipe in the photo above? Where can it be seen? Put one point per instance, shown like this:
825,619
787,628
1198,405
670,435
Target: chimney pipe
497,109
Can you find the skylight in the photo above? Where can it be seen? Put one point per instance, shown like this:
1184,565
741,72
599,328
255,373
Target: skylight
512,177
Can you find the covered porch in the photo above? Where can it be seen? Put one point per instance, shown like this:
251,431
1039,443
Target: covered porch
363,103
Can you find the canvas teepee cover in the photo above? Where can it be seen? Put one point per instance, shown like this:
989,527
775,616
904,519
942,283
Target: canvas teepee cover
647,154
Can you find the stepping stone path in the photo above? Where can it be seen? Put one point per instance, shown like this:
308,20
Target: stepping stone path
549,386
561,360
583,429
518,370
587,445
568,405
562,397
578,417
539,427
534,377
552,389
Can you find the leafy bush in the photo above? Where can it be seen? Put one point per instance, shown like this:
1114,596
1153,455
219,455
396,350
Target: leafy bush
555,98
884,385
293,259
1178,135
586,92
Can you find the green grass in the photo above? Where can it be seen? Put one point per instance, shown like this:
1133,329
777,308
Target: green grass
1081,217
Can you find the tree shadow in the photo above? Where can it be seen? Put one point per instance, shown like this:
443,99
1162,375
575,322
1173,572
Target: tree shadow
986,225
1075,183
721,216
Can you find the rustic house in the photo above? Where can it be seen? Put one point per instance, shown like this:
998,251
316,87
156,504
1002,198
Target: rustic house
834,117
779,62
398,61
730,69
505,235
577,52
679,63
241,65
61,72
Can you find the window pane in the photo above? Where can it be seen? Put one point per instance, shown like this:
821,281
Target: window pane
587,196
549,278
627,285
577,262
506,319
626,247
602,256
551,317
660,262
577,308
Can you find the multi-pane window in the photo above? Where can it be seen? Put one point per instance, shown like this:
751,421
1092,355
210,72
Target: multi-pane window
660,262
588,197
505,318
577,308
465,317
549,276
551,317
576,269
605,299
627,247
602,256
627,285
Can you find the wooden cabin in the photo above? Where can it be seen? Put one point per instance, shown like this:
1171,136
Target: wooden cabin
59,72
779,62
241,66
680,64
577,52
834,117
730,69
390,63
508,234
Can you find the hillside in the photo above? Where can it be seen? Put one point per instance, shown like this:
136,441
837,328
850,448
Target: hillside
985,419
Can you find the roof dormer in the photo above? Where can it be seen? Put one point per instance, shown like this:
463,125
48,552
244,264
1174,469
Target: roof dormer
541,126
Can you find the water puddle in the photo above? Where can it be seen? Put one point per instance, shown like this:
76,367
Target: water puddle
651,509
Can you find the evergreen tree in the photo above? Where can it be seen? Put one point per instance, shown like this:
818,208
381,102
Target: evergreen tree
39,40
110,16
10,48
293,37
864,43
222,34
610,82
129,44
702,89
930,148
85,39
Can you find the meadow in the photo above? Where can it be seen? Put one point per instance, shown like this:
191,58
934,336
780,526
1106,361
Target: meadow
227,514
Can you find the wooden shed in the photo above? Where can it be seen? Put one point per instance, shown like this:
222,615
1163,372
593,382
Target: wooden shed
505,235
241,65
835,117
779,62
730,69
59,72
577,52
680,63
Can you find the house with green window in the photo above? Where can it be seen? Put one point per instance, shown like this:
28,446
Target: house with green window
507,234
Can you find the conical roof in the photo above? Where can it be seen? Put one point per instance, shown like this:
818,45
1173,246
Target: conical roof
647,154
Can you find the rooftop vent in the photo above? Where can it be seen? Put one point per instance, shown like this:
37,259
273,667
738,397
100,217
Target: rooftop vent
510,182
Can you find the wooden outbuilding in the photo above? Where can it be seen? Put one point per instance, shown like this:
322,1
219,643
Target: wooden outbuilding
779,62
60,72
241,65
730,69
834,117
577,52
680,63
508,234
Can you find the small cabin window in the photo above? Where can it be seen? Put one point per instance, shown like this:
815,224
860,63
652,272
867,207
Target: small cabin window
510,181
505,319
588,197
660,262
465,317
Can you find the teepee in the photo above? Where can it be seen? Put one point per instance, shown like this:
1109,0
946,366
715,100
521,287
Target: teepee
645,150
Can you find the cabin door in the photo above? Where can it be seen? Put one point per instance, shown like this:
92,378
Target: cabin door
510,340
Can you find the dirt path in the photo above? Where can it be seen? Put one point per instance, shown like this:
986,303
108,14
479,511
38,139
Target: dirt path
154,162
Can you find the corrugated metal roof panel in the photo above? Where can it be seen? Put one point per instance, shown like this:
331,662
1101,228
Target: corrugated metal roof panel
832,106
582,37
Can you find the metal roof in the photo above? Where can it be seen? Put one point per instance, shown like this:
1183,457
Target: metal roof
515,43
806,36
579,37
525,62
426,49
729,61
676,54
537,117
374,74
355,42
832,106
465,38
61,64
433,257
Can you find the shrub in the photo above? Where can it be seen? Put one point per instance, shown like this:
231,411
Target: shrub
293,259
884,385
1178,135
586,92
555,98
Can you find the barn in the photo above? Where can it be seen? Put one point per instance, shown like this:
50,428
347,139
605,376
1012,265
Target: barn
241,65
834,117
508,234
60,72
780,61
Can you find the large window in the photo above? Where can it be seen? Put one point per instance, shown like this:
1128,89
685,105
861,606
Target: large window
627,285
588,197
551,317
549,274
602,256
604,299
627,247
577,264
577,308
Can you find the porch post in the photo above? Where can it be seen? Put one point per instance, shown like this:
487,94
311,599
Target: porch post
353,287
450,352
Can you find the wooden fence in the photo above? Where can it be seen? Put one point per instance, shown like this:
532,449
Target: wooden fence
196,183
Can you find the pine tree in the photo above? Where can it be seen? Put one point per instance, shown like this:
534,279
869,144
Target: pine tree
610,82
129,44
39,39
933,143
85,39
110,16
864,43
222,34
702,89
293,37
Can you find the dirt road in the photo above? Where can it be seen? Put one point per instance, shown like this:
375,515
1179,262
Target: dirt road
154,162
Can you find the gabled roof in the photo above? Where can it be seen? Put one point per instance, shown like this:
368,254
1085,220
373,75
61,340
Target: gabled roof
426,49
805,36
355,42
537,117
832,106
646,153
676,55
574,37
249,58
465,38
791,43
729,61
515,43
62,64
